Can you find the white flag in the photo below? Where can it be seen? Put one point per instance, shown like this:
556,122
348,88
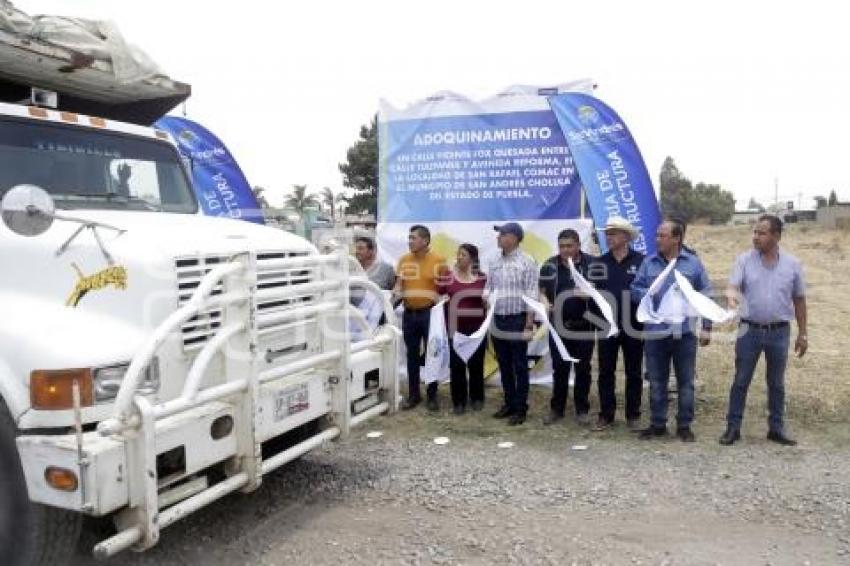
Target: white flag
437,347
646,311
603,305
680,301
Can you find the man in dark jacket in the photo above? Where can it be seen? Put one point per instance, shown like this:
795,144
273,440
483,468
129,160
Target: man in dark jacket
567,309
612,274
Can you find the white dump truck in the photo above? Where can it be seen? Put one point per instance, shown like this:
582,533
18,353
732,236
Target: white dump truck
152,359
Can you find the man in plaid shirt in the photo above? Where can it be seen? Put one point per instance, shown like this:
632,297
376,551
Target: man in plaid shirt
512,275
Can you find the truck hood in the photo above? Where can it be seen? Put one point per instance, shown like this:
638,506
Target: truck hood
103,311
176,235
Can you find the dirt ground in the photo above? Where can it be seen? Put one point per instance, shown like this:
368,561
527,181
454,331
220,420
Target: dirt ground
565,495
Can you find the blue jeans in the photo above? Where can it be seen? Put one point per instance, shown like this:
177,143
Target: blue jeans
512,355
774,343
683,353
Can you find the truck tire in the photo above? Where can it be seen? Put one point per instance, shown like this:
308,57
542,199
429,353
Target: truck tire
30,534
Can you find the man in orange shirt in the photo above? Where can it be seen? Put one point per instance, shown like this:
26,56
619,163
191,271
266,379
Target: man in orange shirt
418,274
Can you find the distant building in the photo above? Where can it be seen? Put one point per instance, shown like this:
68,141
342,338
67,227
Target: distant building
748,216
835,216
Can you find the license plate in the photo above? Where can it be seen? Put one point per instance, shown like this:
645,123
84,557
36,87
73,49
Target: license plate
291,401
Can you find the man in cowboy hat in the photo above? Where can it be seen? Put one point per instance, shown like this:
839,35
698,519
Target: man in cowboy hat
613,274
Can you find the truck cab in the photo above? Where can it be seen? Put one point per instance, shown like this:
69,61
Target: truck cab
152,359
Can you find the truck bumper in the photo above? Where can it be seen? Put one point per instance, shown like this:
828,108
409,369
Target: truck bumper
188,443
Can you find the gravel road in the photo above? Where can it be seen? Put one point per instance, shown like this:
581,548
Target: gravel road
401,499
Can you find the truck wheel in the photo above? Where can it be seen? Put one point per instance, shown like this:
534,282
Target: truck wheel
30,534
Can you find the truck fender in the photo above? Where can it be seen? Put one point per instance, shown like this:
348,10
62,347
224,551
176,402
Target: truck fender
13,391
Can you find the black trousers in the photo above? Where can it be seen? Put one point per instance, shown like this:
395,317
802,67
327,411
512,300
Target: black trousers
609,349
512,355
581,349
414,327
475,390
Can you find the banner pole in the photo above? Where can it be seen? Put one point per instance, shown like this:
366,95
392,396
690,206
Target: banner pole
582,207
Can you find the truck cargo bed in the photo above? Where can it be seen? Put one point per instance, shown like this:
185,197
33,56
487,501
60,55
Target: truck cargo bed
84,84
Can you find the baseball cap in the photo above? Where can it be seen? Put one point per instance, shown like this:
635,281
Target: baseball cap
510,228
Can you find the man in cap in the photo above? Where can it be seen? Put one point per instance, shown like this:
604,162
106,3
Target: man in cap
512,275
613,274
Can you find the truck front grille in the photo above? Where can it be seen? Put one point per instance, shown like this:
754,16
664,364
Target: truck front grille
199,329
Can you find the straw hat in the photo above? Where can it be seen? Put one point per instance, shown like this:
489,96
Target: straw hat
620,223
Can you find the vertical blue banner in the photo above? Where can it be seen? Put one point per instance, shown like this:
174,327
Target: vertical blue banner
219,183
610,166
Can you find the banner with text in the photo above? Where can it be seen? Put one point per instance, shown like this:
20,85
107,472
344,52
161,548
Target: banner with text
610,165
219,183
459,166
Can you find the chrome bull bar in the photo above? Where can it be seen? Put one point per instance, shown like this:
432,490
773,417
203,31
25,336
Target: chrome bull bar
134,420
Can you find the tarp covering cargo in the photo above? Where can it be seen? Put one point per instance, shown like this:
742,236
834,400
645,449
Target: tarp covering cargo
89,63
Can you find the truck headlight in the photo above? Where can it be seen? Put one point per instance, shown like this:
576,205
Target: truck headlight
107,380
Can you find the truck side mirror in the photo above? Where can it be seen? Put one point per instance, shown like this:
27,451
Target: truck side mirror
27,210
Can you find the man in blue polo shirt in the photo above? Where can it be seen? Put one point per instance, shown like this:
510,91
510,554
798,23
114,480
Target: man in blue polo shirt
767,283
671,342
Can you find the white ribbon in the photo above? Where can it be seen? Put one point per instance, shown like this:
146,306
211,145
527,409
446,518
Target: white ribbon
704,307
603,305
464,345
540,310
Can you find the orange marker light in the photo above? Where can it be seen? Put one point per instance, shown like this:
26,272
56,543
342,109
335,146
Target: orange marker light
61,479
36,112
53,389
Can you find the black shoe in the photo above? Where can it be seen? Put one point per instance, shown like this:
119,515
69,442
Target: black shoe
653,432
602,424
433,405
503,413
730,436
410,403
781,438
477,405
516,419
685,434
459,409
552,418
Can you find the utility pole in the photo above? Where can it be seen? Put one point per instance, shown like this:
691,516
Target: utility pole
776,193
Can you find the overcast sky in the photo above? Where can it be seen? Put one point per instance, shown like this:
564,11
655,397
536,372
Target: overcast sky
740,94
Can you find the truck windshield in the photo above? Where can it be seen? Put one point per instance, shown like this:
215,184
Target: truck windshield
93,169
